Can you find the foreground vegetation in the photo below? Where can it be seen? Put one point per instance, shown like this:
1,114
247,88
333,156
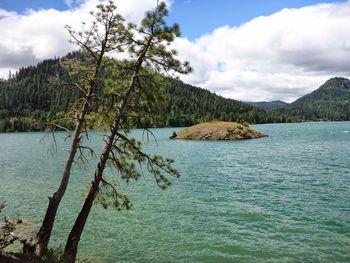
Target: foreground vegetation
118,100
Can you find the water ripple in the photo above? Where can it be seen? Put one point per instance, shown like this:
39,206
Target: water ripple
279,199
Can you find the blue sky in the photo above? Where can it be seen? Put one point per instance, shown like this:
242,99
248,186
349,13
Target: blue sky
196,17
250,50
22,5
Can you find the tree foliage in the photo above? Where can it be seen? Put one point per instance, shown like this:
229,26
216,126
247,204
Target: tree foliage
25,105
105,35
138,88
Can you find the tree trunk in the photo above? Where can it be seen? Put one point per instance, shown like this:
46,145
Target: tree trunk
43,236
71,248
108,21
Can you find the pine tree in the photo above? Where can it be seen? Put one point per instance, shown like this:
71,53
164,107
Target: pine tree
149,48
95,45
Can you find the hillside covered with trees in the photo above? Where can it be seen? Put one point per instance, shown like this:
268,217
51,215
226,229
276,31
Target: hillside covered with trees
330,102
268,105
31,97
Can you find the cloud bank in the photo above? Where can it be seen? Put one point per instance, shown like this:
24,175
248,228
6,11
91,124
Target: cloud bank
36,35
281,56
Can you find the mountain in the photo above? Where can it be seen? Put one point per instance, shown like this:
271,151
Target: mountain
330,102
28,98
268,105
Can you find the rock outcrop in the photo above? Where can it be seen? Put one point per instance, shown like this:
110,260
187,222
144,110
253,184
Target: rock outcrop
218,131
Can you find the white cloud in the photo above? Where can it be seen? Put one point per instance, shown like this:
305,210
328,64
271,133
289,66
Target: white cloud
69,2
4,13
281,56
37,35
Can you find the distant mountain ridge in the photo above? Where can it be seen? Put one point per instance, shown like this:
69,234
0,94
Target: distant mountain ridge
268,105
330,102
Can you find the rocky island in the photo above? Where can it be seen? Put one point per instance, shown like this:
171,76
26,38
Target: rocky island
218,131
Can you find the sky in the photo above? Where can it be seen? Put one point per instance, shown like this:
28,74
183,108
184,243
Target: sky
247,50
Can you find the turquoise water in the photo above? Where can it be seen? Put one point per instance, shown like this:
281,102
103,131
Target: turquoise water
285,198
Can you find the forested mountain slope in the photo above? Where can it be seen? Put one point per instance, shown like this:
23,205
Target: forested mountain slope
28,98
330,102
268,105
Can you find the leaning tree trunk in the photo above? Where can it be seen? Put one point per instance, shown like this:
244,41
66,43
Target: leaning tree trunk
71,248
96,45
43,236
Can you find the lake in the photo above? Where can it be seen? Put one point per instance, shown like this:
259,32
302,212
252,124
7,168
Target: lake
285,198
